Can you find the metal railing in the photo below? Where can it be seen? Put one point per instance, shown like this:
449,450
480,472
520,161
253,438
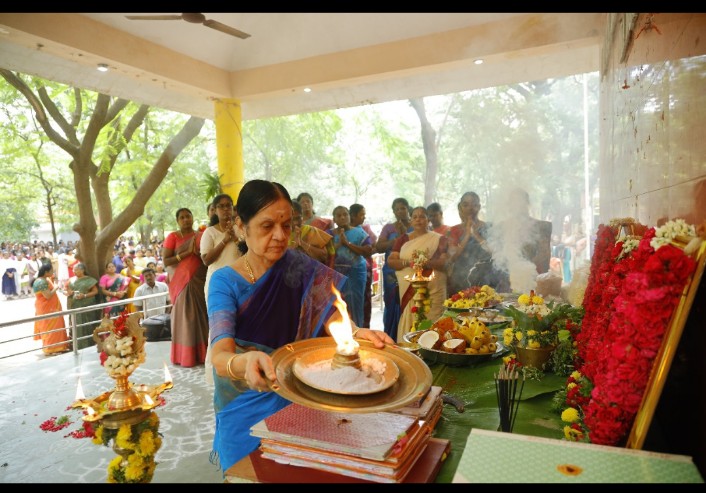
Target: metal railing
72,325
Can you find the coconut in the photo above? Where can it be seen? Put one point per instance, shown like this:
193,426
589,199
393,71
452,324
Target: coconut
454,345
429,339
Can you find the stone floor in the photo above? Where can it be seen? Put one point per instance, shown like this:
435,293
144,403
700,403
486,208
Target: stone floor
34,388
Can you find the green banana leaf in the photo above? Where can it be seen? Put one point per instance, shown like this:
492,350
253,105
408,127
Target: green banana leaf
475,387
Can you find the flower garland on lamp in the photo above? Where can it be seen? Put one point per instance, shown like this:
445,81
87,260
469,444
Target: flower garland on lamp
124,415
420,284
136,445
634,289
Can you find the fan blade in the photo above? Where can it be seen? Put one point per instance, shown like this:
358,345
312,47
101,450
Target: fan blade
218,26
154,17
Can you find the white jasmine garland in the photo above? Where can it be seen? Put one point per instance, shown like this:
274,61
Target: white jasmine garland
670,230
629,244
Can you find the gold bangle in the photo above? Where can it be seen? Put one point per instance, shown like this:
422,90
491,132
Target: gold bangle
355,332
178,257
229,370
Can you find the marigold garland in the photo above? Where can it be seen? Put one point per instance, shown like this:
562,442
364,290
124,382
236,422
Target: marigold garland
142,439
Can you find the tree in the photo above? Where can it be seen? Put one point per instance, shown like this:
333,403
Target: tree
94,131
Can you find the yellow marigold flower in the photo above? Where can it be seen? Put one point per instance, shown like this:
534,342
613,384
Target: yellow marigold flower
507,340
135,467
98,439
113,467
537,300
507,359
147,445
124,436
571,386
524,299
531,333
519,336
531,343
570,415
575,374
569,433
507,331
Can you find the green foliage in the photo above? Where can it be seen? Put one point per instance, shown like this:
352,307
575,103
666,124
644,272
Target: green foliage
17,222
211,184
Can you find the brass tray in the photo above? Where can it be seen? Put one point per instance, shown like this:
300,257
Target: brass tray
314,355
414,380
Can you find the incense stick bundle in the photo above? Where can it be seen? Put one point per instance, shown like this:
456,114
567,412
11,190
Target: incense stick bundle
506,383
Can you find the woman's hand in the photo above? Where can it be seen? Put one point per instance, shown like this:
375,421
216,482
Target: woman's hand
259,370
377,337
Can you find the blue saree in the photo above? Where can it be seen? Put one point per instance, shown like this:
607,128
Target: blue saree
354,267
289,303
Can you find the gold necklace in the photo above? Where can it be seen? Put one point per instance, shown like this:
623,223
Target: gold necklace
249,269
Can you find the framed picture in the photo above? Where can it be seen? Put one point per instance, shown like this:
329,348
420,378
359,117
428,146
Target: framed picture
663,361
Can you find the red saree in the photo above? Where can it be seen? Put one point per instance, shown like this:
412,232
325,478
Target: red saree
186,292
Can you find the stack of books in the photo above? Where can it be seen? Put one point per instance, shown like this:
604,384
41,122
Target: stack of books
381,447
427,408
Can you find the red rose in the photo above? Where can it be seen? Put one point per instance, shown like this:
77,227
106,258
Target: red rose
414,309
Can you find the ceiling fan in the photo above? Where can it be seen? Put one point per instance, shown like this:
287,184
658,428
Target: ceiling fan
194,19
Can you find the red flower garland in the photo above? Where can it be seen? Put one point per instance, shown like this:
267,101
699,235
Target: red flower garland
629,304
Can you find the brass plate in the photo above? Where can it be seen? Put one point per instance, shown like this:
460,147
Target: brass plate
414,380
314,355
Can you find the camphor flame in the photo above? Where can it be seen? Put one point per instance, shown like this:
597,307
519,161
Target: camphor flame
342,331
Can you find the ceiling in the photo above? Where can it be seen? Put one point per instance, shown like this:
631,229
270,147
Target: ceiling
345,59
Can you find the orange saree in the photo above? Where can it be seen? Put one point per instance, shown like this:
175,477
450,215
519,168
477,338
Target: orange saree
45,329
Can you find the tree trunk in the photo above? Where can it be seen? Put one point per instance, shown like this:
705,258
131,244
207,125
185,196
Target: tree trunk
430,151
97,240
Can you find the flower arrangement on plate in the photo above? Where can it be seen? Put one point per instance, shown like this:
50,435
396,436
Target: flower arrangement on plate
473,297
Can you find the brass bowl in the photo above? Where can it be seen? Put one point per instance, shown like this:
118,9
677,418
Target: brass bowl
414,380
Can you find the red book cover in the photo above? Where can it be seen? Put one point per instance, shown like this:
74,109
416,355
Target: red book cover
369,435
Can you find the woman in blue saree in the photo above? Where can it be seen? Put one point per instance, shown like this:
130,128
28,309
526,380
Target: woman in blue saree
390,289
268,297
352,245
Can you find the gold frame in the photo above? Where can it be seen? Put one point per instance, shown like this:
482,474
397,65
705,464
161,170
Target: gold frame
665,356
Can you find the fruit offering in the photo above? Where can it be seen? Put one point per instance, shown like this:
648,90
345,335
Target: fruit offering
475,296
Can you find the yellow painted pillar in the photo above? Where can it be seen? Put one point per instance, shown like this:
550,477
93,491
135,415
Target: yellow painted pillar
229,144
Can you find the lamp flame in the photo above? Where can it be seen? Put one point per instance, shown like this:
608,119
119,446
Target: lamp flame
167,375
342,331
79,391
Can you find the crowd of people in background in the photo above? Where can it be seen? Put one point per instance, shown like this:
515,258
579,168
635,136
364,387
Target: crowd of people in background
183,263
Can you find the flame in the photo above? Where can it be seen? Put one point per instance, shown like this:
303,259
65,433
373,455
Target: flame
167,375
342,331
79,391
